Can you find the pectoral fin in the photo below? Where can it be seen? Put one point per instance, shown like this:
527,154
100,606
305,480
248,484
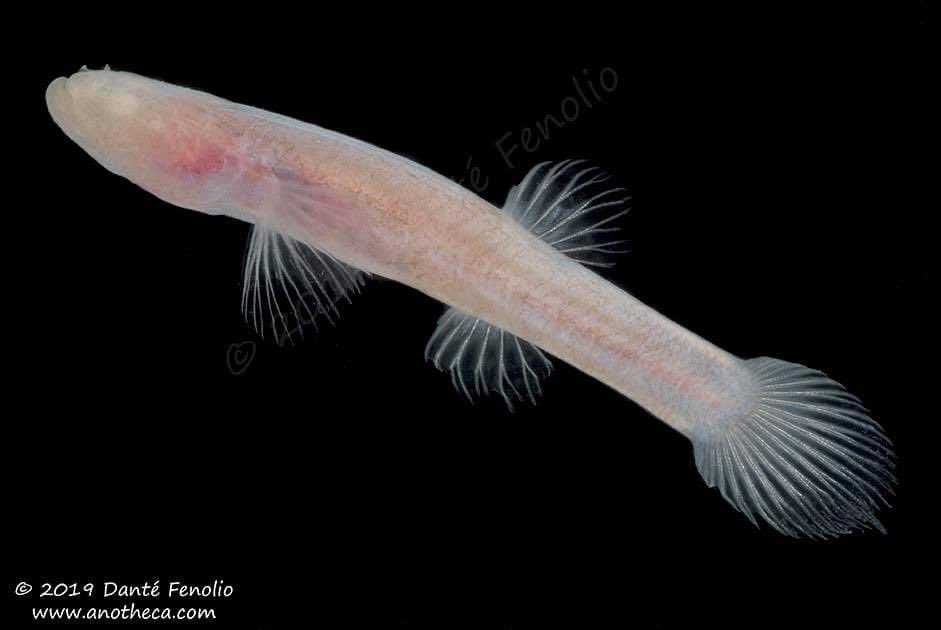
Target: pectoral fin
288,283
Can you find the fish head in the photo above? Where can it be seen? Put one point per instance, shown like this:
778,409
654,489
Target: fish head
164,138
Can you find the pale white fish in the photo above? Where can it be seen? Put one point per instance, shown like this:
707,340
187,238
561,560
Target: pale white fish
783,443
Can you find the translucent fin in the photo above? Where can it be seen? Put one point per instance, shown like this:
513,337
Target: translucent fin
483,358
808,460
288,284
568,206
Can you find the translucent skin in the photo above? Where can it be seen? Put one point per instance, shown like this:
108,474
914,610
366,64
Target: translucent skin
783,443
387,215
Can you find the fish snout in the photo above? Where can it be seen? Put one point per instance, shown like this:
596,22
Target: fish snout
95,108
59,103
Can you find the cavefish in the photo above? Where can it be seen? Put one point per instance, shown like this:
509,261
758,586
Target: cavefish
783,443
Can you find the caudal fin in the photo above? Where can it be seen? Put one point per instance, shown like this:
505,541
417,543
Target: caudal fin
808,459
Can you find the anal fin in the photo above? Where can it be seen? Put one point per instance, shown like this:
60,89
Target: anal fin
568,205
483,358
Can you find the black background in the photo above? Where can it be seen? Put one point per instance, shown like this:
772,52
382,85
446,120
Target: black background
780,178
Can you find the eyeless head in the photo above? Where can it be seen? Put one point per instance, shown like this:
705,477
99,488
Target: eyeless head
164,138
96,108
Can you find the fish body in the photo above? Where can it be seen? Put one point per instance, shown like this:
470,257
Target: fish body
782,442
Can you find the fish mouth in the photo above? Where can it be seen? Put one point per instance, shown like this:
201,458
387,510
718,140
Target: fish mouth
73,102
60,100
60,105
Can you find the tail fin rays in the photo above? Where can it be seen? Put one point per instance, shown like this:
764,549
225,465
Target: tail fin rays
808,460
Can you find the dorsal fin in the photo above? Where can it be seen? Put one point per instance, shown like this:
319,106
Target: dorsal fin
568,205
